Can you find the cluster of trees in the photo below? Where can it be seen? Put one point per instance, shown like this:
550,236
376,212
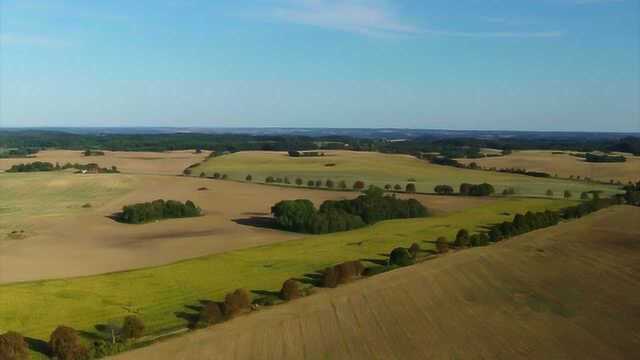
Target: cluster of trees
32,167
408,188
522,171
600,158
443,190
295,153
523,223
90,152
17,153
632,193
483,189
342,215
157,210
341,273
329,184
65,342
92,167
47,166
235,303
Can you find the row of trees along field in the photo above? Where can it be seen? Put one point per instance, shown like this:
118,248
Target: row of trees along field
66,344
38,166
342,215
158,210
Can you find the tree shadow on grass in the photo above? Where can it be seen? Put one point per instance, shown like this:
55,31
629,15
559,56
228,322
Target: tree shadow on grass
191,318
382,262
266,293
37,345
264,222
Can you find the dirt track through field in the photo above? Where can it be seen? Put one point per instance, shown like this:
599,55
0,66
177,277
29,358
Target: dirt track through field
567,292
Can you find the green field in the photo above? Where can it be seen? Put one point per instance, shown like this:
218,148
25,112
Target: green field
380,169
55,193
158,294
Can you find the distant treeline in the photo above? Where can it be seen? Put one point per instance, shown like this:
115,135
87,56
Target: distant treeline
341,215
604,158
47,166
468,147
17,153
32,167
157,210
464,147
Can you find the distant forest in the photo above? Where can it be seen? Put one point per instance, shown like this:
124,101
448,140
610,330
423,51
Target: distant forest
24,142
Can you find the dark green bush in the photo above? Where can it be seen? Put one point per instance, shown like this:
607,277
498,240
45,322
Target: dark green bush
443,190
132,327
401,257
462,238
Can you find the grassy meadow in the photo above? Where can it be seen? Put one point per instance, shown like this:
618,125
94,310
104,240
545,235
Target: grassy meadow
55,193
380,169
160,295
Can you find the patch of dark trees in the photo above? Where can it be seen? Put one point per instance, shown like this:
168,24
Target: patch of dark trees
32,167
89,152
295,153
17,153
632,193
47,166
604,158
483,189
342,215
157,210
467,146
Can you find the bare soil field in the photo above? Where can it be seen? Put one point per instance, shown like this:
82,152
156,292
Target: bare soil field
74,241
566,292
565,165
166,163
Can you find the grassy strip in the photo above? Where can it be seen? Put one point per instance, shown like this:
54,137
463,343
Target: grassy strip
161,295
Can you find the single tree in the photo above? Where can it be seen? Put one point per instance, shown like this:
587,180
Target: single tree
358,185
65,344
290,290
442,245
132,327
13,347
410,188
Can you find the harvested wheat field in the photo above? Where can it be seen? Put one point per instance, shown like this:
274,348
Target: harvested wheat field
564,165
66,239
566,292
128,162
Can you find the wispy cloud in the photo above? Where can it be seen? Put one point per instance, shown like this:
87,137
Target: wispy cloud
374,18
32,40
364,17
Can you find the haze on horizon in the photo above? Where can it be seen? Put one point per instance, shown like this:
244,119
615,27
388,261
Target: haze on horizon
468,64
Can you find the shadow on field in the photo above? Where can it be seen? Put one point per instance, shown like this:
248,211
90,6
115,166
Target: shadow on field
382,262
38,345
258,221
314,278
266,293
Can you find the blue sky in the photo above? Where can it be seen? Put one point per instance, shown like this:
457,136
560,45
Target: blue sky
463,64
